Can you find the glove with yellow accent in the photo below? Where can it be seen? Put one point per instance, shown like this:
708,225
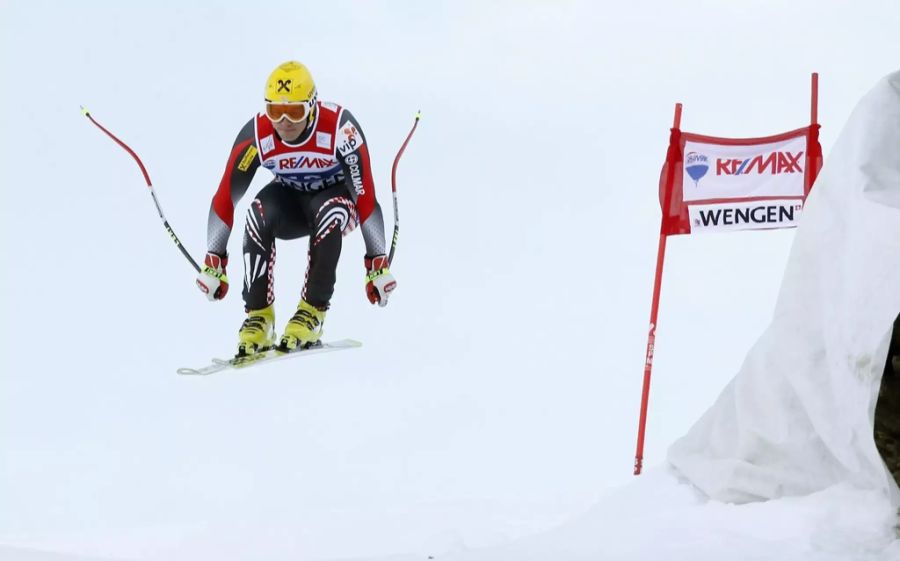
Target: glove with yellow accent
380,282
212,280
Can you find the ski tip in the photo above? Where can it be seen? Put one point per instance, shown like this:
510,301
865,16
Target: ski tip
344,343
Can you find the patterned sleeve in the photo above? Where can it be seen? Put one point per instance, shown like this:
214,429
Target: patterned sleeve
239,171
354,157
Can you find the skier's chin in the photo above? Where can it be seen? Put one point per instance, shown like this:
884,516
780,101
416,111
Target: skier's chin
290,131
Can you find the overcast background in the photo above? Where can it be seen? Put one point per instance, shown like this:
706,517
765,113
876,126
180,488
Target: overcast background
506,371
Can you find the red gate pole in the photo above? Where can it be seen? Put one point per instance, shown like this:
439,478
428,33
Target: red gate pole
654,309
813,148
814,101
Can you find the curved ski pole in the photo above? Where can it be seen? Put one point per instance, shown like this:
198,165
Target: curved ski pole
171,232
394,188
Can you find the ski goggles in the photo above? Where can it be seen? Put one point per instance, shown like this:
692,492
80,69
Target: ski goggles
293,112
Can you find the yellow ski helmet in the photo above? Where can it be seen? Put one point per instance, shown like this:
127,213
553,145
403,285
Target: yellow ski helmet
291,82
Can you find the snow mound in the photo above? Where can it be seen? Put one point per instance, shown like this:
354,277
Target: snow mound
660,516
798,417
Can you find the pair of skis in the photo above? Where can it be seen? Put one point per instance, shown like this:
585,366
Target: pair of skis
271,355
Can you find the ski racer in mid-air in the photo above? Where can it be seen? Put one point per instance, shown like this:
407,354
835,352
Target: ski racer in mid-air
323,189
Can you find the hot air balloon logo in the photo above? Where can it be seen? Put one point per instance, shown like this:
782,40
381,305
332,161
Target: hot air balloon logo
696,165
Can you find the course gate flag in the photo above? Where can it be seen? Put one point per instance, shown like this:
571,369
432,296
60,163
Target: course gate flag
711,184
721,184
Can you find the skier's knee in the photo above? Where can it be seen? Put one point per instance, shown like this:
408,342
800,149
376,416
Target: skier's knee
256,228
337,214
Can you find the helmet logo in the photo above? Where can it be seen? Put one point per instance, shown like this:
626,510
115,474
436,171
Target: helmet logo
284,85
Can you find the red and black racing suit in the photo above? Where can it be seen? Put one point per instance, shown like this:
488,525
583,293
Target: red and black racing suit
323,188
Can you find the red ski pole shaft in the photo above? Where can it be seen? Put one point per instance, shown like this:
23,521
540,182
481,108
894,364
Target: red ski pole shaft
168,228
394,187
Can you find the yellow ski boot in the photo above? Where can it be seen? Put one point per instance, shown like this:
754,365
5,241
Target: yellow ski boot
257,333
304,329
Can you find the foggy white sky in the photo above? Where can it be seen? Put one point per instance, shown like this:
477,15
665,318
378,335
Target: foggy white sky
507,367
